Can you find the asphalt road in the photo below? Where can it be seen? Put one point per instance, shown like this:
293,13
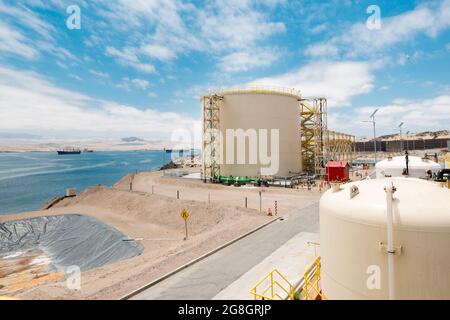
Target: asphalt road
205,279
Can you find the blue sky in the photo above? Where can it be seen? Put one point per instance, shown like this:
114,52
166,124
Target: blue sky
139,67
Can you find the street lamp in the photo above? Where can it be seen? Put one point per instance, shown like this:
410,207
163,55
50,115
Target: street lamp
374,132
407,140
401,139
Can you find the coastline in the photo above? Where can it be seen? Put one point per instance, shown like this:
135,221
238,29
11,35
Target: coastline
150,214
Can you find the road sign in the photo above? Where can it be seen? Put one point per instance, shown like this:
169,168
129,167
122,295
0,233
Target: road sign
184,214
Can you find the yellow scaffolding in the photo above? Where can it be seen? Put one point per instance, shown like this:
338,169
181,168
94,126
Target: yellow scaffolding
313,127
318,144
211,136
341,146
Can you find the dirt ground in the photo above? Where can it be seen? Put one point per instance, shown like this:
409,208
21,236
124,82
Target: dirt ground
189,189
154,220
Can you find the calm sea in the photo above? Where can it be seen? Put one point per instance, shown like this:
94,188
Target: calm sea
28,180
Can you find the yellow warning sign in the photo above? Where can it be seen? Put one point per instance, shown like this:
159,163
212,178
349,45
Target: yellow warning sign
184,214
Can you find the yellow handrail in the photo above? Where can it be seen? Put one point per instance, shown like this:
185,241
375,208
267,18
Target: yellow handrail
256,89
311,287
270,292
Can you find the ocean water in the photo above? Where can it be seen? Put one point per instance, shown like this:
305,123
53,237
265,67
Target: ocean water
28,180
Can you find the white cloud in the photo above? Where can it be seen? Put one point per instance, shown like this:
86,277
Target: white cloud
128,57
14,42
336,81
28,19
29,102
244,61
322,50
429,18
416,114
99,73
74,76
163,30
158,52
129,84
24,33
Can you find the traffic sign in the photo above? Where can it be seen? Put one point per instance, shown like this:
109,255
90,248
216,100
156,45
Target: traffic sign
184,214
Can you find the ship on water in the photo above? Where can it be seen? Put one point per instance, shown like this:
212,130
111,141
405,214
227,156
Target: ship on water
68,151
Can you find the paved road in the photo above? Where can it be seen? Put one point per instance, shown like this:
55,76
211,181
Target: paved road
205,279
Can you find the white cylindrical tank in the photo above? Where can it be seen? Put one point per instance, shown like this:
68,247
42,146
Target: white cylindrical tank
258,114
353,235
418,167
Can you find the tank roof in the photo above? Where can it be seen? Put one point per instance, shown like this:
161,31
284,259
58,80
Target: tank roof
256,89
414,162
418,204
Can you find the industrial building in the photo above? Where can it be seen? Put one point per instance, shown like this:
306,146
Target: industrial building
242,125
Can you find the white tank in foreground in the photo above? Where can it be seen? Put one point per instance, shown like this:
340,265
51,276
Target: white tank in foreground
418,167
353,232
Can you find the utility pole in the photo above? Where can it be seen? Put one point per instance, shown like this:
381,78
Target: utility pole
401,137
374,133
407,140
260,201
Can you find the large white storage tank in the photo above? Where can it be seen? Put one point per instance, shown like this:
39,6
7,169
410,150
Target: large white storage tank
353,232
259,109
418,167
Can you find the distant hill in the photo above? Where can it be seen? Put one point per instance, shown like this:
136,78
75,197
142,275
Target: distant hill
132,139
442,134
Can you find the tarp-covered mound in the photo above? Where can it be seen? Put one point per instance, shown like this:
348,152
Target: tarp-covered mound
68,240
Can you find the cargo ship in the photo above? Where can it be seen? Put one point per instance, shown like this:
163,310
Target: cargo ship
67,151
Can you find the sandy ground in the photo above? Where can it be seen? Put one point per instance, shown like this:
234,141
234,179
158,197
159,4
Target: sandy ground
154,219
189,189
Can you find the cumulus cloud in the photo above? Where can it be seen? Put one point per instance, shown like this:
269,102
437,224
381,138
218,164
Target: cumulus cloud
420,114
13,41
246,60
429,18
163,30
128,84
128,57
337,81
24,33
30,103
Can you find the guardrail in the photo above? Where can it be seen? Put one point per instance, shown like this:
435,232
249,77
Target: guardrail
278,288
311,289
255,89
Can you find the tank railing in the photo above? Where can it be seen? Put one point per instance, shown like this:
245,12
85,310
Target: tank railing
311,289
255,89
276,289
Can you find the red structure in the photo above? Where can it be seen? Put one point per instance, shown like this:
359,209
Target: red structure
338,171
